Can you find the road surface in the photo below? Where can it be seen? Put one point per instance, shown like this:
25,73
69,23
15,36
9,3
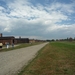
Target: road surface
11,62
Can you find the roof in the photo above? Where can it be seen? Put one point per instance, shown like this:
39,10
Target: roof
8,37
21,38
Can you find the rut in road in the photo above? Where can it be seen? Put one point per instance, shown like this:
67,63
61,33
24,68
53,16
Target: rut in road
11,62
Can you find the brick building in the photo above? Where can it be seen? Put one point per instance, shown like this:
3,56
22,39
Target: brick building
6,39
12,39
21,40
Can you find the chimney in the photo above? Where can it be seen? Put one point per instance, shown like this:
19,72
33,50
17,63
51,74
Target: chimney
0,34
19,37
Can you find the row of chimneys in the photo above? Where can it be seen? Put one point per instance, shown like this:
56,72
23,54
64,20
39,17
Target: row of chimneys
0,34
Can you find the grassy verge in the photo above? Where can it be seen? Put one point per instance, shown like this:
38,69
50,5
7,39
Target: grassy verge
54,59
22,45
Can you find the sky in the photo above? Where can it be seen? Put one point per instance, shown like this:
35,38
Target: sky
38,19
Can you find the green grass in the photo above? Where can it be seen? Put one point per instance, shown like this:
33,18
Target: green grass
56,58
22,45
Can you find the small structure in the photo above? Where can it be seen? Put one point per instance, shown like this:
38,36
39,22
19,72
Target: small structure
31,41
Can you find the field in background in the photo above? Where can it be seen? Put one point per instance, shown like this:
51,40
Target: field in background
56,58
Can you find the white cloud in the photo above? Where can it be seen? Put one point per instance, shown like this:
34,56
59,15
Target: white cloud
59,27
1,8
23,18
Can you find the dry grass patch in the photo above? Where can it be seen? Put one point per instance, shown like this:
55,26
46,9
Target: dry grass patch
54,59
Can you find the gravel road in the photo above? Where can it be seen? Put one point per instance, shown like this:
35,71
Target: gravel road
11,62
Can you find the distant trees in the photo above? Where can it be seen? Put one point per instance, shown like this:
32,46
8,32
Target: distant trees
50,40
67,39
70,39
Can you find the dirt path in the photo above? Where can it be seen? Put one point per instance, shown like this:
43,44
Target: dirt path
12,61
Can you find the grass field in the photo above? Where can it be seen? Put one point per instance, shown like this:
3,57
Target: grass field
56,58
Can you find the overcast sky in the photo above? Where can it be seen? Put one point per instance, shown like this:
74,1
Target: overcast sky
39,19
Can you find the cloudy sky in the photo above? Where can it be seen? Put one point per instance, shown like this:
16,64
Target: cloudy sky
42,19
